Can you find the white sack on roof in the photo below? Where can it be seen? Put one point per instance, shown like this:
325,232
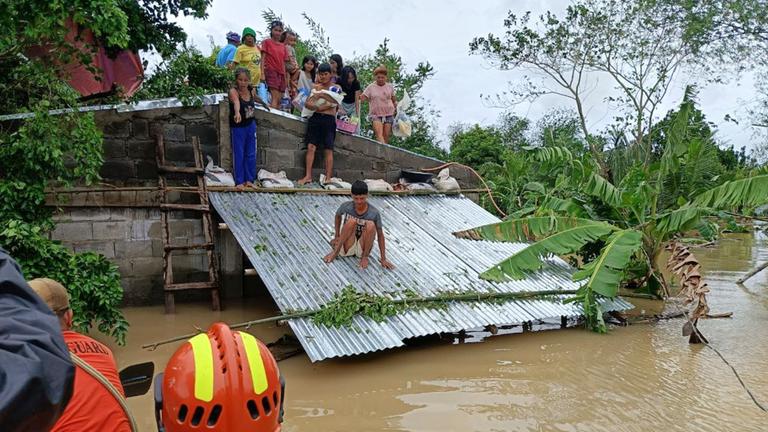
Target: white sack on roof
334,183
272,180
420,187
378,185
445,183
216,175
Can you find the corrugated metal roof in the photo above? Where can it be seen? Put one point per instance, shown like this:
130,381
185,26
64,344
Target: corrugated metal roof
285,236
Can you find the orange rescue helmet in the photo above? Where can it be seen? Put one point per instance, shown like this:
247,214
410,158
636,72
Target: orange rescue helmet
221,380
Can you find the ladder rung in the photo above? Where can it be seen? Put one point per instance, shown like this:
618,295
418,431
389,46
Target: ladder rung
191,285
193,207
189,247
183,189
180,170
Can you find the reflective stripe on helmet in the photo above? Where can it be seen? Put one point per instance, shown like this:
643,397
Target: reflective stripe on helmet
255,363
203,356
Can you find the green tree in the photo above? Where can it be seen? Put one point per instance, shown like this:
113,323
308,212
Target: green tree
476,146
188,75
630,221
151,26
43,148
640,47
516,177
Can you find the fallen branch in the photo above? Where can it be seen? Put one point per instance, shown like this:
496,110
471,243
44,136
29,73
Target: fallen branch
644,319
404,302
753,272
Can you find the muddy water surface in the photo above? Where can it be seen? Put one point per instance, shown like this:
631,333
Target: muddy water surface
638,378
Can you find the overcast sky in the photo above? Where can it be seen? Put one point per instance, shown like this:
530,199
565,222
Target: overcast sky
439,31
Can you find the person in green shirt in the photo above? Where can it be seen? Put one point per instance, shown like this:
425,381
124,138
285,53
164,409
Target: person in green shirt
248,55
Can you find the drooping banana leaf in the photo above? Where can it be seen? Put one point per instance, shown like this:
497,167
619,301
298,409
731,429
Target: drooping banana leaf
605,273
750,192
535,187
569,207
525,211
601,188
682,219
562,242
551,154
522,229
678,128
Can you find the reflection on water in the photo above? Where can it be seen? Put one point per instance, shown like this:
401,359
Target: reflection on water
638,378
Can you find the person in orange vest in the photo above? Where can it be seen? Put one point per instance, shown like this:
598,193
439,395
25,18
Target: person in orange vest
221,380
96,403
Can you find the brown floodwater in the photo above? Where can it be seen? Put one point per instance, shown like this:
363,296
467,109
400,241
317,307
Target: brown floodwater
636,378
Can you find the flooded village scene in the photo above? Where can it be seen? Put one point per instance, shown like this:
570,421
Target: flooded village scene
229,215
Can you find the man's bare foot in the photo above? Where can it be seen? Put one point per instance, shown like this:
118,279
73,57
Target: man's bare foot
364,263
329,258
240,187
304,181
248,184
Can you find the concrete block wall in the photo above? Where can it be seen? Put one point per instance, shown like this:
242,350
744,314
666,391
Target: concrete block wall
129,149
131,239
125,225
129,144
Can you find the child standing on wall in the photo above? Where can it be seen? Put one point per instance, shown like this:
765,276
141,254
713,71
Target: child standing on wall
307,74
242,124
291,65
350,105
337,64
273,65
248,55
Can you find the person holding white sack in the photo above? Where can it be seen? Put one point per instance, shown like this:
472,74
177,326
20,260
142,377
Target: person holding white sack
323,102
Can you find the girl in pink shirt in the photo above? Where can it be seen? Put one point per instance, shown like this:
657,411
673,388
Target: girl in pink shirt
382,104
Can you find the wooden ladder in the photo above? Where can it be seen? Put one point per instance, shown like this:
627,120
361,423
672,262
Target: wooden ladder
163,169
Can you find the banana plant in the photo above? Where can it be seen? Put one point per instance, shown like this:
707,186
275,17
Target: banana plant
626,219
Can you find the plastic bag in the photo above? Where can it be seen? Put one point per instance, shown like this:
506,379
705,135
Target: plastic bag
263,93
402,126
301,98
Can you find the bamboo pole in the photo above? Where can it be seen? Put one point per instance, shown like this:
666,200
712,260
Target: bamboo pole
444,298
644,319
753,272
77,190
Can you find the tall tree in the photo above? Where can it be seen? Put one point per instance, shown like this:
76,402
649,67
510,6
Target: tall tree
639,46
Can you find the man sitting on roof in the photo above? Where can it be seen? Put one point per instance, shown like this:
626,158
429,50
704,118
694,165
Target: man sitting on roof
361,224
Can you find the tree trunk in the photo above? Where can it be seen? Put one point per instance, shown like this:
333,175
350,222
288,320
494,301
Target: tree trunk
753,272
